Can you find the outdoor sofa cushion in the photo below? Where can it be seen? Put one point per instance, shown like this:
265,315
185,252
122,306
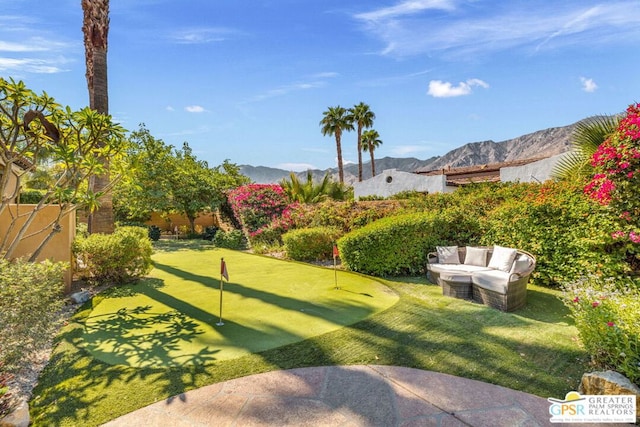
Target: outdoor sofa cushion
493,280
476,256
448,255
502,258
442,268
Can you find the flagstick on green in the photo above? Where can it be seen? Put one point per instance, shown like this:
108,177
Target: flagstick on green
336,253
223,274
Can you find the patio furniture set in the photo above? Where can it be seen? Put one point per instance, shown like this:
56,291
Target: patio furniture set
495,276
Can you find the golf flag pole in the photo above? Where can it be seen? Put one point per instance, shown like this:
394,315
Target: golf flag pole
336,254
223,275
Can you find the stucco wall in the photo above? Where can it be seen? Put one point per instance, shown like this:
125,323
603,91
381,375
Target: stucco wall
177,220
392,181
58,248
539,171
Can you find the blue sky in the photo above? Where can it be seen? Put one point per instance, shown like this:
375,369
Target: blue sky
248,81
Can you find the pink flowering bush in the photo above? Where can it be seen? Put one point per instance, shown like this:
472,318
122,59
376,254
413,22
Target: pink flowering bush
606,316
616,182
262,209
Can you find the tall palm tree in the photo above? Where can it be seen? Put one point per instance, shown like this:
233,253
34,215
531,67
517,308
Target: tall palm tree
370,141
588,135
95,27
335,121
361,115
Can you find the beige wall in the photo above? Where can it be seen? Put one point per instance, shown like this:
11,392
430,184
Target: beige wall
205,220
58,248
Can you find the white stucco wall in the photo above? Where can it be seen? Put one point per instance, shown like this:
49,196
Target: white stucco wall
539,171
392,181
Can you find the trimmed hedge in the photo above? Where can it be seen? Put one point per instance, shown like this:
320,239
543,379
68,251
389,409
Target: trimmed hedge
310,244
118,258
398,245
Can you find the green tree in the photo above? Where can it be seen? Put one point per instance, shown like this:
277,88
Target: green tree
162,179
95,27
310,191
363,117
334,122
370,141
33,126
586,138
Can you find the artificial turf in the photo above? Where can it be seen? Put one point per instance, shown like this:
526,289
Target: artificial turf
174,317
534,350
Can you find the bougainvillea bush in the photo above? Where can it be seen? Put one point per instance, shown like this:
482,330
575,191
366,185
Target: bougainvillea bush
616,182
261,209
606,316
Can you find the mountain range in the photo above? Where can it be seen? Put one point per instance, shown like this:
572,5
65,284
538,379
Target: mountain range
540,144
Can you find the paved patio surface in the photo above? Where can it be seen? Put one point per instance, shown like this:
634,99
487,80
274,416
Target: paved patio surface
348,396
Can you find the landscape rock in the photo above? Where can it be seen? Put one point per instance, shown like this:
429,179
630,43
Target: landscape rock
80,297
609,383
18,418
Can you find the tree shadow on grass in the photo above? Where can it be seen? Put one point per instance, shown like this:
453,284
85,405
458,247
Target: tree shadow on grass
414,333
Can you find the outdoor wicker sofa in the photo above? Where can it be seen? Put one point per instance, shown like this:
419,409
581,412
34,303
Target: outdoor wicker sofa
495,276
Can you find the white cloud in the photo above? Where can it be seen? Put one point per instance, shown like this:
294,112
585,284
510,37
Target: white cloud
29,65
440,89
202,35
296,167
468,28
409,7
312,82
588,85
194,109
169,108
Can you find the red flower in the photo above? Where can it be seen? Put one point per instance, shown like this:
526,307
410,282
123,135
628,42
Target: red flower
576,299
610,324
595,304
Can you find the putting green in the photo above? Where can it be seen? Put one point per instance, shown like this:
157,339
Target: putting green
171,318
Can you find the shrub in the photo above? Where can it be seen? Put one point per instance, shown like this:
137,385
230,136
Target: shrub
31,196
154,233
117,258
6,405
311,244
209,233
557,223
606,316
233,239
30,297
399,245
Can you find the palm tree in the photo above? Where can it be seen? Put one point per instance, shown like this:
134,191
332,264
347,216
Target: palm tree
362,115
95,27
588,135
370,141
335,121
313,192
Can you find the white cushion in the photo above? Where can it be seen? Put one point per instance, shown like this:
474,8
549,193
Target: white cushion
448,255
493,280
456,268
502,258
476,256
521,264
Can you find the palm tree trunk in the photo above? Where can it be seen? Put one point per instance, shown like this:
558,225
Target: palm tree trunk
373,163
359,153
339,149
96,30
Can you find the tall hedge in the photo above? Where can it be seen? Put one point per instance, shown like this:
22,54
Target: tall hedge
399,245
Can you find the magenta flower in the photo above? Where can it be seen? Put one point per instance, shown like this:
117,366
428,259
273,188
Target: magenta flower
634,237
610,324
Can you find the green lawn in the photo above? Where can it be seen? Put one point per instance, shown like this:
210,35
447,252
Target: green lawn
533,349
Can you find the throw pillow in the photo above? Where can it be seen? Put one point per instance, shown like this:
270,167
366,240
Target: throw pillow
448,254
502,258
476,256
521,264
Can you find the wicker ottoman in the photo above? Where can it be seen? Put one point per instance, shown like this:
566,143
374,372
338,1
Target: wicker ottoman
457,285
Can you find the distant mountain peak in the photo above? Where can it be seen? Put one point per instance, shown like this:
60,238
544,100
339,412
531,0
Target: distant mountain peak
540,144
